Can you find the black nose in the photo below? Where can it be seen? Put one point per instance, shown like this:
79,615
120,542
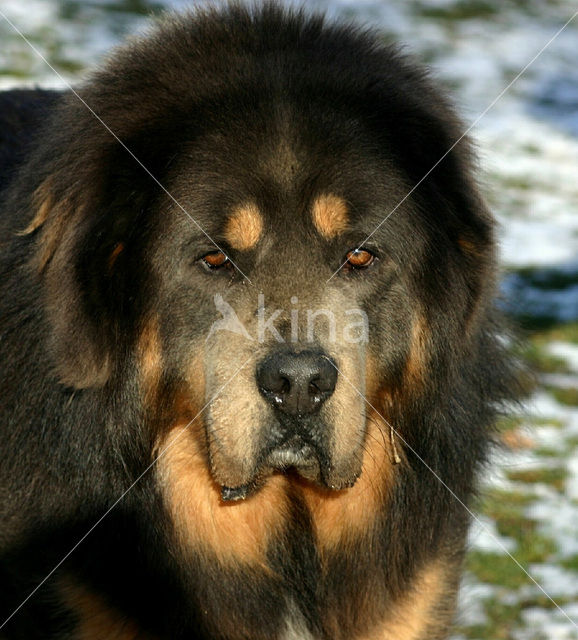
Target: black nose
297,383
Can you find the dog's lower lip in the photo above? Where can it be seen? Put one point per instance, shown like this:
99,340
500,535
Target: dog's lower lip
233,494
294,453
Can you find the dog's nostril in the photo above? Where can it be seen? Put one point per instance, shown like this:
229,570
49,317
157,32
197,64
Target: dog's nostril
297,383
269,379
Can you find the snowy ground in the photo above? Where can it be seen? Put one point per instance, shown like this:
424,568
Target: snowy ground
528,146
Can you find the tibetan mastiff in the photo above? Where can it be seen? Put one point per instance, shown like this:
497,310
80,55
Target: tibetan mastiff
250,364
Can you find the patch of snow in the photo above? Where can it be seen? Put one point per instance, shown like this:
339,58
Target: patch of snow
471,598
556,515
556,581
565,350
562,380
547,624
543,405
549,437
484,536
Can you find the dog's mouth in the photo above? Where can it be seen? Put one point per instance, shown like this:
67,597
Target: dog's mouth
295,456
294,453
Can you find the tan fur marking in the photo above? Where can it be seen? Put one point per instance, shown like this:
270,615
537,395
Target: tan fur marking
119,248
415,369
46,206
244,227
235,532
413,615
468,246
330,215
96,619
150,358
342,515
59,211
43,202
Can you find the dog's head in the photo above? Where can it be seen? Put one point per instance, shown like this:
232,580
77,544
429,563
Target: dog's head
278,239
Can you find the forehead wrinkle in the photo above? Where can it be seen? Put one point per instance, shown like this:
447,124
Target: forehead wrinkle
244,227
330,215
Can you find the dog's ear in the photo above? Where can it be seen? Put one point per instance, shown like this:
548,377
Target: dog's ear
460,227
445,237
84,228
95,175
457,249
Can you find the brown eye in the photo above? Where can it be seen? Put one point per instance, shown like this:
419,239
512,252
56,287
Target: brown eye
359,259
215,260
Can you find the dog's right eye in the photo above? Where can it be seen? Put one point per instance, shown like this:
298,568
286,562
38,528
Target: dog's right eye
359,259
215,260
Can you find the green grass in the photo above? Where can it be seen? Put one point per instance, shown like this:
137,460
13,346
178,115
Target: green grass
547,452
540,361
565,395
495,568
571,444
507,510
533,351
553,476
459,10
502,619
509,423
498,502
570,563
567,332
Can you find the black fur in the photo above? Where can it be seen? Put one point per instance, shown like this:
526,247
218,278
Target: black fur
197,101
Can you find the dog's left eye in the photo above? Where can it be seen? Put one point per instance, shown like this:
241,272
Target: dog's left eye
359,259
215,260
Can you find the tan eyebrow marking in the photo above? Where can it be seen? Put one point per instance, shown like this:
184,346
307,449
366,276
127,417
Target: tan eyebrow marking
244,227
330,215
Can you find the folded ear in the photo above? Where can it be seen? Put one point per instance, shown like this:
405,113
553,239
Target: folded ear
458,263
85,249
77,341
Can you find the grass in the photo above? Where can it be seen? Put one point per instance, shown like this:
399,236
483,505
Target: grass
565,332
459,10
540,361
507,509
498,502
532,350
554,476
495,568
565,395
570,563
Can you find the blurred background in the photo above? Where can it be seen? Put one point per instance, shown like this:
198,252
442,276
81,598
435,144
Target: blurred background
528,152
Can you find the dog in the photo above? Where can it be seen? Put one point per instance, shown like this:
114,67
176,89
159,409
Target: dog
251,364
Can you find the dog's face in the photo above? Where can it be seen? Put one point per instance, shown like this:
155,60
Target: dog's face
273,262
272,304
